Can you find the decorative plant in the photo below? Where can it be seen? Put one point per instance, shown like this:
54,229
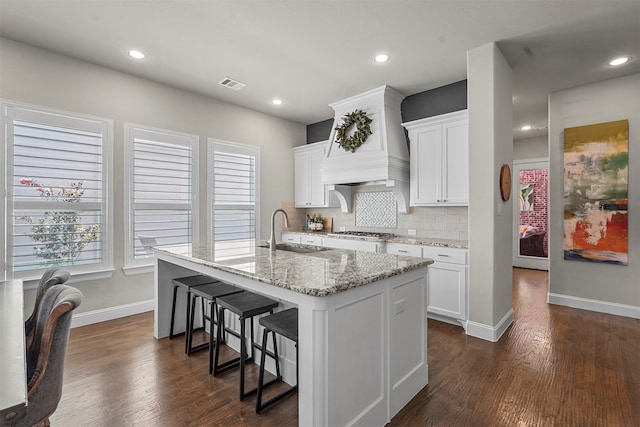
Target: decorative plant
61,234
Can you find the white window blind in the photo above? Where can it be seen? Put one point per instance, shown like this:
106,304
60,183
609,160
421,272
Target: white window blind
233,172
57,199
161,190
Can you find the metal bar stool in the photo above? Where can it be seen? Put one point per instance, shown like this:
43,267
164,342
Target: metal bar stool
246,306
208,292
284,323
187,283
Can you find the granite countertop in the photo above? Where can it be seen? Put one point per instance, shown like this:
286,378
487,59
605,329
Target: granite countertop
409,240
319,273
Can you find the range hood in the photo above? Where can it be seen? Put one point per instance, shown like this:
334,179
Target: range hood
383,159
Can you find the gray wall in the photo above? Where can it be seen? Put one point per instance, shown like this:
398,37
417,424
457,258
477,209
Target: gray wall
33,76
490,226
570,281
531,148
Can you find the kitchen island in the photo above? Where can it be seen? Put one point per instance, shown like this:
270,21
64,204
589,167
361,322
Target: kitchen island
362,324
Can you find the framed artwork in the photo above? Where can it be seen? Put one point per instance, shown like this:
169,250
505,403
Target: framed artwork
596,171
526,197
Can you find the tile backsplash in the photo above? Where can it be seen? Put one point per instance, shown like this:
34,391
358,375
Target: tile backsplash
376,209
430,222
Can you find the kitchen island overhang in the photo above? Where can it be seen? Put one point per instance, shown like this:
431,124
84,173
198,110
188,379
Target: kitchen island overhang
362,322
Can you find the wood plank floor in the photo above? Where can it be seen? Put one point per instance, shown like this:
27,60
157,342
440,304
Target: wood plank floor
555,366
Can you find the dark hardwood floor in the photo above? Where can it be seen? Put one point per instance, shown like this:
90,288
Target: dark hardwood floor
555,366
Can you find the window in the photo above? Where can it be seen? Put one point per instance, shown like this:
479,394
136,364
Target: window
233,197
162,185
57,210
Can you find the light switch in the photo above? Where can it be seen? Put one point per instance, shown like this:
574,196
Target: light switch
399,306
411,232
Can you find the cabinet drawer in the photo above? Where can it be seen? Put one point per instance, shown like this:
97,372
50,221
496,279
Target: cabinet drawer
291,238
311,240
442,254
404,249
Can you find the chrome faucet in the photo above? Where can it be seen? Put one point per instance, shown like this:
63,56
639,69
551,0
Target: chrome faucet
272,240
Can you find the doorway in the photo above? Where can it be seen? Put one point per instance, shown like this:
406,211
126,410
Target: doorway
531,213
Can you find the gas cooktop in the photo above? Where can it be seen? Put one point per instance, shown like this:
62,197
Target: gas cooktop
364,234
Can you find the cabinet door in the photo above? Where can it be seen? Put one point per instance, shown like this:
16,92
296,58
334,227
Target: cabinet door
317,190
447,290
425,173
302,184
455,161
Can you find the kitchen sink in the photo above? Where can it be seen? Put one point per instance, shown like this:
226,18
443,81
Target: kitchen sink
301,249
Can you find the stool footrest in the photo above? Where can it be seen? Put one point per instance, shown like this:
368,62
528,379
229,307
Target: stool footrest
260,406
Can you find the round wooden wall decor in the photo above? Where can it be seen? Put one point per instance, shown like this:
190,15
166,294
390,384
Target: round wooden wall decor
505,182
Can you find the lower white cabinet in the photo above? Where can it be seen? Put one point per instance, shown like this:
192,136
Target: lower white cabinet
291,238
447,293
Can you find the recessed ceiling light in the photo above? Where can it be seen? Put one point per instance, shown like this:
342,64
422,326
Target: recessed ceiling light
381,58
276,101
136,54
619,61
526,127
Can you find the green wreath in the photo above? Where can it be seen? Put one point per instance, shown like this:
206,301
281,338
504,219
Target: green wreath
362,122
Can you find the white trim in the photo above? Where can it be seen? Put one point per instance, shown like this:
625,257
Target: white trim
76,277
490,333
62,118
595,305
192,141
139,269
233,148
111,313
517,260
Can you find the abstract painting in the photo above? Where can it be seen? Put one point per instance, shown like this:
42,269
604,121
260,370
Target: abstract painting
596,171
526,197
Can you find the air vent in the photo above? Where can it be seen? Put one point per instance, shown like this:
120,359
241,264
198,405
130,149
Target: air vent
232,84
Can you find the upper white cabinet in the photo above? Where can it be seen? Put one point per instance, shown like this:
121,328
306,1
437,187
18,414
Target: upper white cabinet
309,192
439,160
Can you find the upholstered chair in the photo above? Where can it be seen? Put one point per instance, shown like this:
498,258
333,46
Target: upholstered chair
52,276
45,358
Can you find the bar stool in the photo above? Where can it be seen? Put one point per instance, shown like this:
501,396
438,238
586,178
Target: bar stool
208,292
284,323
187,283
246,306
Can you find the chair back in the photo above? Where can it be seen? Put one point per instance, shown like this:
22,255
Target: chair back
52,276
45,357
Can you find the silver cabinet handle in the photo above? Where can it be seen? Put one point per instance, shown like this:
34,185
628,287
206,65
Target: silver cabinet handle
444,255
403,251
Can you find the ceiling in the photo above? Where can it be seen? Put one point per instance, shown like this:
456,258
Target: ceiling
312,53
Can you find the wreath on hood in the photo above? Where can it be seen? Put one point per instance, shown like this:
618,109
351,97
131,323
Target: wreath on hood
363,129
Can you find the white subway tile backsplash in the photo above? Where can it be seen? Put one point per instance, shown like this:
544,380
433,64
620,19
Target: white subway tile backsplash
439,222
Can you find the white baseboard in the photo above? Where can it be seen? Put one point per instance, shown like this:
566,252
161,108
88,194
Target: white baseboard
490,333
595,305
104,314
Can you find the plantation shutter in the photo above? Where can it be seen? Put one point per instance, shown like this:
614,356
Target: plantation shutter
162,191
56,199
233,213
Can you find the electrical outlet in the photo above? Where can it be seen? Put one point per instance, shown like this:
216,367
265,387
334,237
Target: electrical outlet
399,306
411,232
343,228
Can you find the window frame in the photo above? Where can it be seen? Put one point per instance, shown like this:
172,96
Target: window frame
132,131
231,148
11,111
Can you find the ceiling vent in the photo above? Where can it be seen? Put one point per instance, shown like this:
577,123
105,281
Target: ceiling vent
232,84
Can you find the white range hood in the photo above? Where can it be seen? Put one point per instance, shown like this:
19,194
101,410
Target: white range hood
383,159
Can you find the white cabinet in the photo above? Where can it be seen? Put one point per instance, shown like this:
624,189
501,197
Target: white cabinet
291,238
307,239
353,244
439,160
404,249
308,190
447,289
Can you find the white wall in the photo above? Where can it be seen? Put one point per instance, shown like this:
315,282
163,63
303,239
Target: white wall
490,226
600,287
33,76
531,148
